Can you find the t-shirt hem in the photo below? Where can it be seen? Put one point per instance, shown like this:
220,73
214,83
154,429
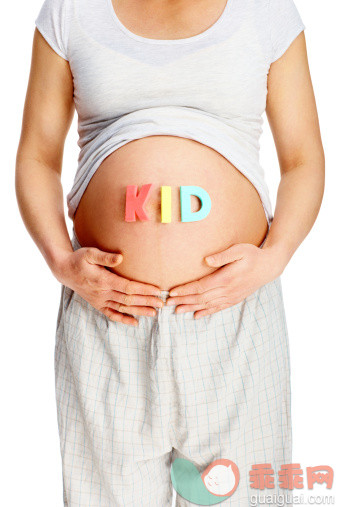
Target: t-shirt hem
288,41
51,42
77,191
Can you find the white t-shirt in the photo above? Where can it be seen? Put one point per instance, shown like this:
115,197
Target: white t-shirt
211,87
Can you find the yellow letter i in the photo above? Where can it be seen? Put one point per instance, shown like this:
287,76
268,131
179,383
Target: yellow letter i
166,205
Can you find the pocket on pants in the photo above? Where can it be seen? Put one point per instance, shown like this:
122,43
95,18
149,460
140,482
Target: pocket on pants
65,300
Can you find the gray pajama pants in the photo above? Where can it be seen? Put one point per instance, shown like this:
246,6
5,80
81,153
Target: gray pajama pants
131,400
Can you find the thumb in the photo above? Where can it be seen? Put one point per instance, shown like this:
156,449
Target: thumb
231,254
97,256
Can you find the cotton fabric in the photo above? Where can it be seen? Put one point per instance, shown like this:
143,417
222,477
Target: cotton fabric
211,87
131,400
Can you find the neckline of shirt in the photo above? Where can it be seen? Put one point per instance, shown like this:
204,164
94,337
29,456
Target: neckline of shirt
186,40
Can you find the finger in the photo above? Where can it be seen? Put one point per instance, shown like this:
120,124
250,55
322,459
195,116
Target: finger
119,317
189,308
231,254
196,299
209,305
210,311
132,310
136,300
208,282
131,287
96,256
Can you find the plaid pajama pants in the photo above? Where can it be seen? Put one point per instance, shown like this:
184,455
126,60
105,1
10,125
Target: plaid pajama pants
131,400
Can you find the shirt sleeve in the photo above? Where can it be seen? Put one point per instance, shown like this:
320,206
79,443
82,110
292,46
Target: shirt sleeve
52,23
285,25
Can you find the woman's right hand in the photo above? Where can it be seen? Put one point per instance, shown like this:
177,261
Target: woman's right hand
84,272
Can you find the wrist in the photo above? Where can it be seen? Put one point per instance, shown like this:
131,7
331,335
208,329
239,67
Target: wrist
279,255
58,262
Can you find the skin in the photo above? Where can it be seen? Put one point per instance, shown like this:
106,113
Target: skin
243,268
168,259
240,269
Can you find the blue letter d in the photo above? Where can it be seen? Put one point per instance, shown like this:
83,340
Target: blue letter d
186,214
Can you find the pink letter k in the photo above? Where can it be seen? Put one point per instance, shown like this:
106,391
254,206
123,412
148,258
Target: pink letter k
135,202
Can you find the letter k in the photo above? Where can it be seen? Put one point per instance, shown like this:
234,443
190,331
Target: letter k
135,202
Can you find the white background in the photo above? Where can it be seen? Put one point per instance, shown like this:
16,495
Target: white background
31,472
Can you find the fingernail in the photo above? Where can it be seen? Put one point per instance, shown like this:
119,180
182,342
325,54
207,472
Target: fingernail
180,310
171,302
159,304
174,293
210,260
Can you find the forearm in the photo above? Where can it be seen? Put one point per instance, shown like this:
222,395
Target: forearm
40,198
299,198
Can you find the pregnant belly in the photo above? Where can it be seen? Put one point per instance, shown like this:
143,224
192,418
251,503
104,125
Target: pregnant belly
168,254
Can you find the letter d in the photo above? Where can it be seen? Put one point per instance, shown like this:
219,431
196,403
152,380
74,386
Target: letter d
186,214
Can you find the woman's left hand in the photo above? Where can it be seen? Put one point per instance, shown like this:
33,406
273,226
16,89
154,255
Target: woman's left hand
242,269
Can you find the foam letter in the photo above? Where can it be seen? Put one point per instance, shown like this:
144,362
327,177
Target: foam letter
186,213
166,205
135,202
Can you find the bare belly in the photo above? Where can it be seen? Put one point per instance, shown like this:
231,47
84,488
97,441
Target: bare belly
168,254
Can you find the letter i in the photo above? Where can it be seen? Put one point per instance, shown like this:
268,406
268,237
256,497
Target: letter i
166,205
